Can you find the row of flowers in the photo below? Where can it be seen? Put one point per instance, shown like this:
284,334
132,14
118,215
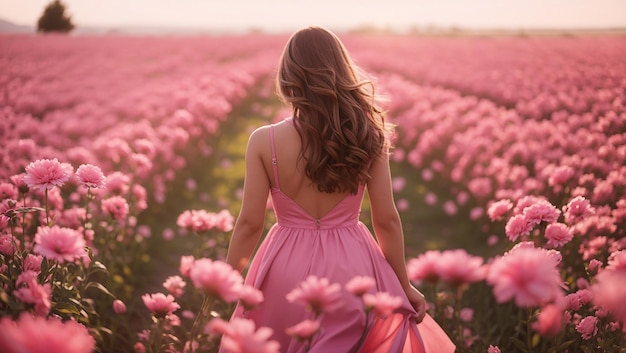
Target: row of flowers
535,76
550,192
554,189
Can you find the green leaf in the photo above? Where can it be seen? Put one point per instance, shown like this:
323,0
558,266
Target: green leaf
96,266
101,288
106,330
44,268
4,278
25,210
67,308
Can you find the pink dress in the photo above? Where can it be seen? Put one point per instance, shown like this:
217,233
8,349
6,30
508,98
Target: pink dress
338,247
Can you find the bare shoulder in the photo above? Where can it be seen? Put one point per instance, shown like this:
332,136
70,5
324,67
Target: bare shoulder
258,137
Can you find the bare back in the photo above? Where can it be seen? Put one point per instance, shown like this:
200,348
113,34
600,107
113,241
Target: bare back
292,180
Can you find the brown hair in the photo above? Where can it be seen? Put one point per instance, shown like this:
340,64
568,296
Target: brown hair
341,127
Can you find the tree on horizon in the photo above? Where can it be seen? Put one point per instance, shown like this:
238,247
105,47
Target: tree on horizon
54,18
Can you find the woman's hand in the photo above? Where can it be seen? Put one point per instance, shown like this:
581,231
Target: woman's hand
417,301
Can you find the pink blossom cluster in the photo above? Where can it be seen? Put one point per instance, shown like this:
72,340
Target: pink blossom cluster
39,334
528,275
454,267
202,221
175,102
242,335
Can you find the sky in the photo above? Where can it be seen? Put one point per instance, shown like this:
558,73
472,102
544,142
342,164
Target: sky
281,15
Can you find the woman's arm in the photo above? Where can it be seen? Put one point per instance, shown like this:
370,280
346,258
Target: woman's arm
388,228
251,220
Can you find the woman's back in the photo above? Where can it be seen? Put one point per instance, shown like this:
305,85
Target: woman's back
292,180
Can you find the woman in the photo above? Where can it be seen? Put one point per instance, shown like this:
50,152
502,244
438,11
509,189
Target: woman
317,165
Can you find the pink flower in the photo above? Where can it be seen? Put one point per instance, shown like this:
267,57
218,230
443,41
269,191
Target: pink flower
430,198
6,245
587,327
168,234
32,263
250,297
558,234
8,191
542,211
526,201
116,206
304,330
577,209
197,220
118,183
224,221
617,261
139,348
480,187
4,221
609,291
29,291
186,263
398,184
141,196
175,285
44,174
382,303
493,349
425,267
241,336
561,175
60,244
466,314
119,307
360,285
594,266
217,279
40,335
159,304
218,326
517,226
403,205
18,181
603,192
90,176
457,267
549,321
427,174
449,207
317,294
527,274
498,209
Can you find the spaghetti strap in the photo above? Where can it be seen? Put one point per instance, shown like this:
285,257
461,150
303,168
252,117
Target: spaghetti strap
274,160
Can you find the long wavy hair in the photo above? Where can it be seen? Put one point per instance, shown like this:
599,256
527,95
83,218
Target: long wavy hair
334,110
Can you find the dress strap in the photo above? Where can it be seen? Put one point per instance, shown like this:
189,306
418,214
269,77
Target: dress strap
274,160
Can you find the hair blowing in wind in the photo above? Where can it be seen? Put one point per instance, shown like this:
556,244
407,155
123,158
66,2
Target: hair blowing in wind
341,127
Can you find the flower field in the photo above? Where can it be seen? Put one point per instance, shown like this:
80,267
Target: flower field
121,167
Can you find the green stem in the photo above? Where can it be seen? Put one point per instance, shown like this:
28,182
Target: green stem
23,219
156,336
528,333
457,314
46,204
206,306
